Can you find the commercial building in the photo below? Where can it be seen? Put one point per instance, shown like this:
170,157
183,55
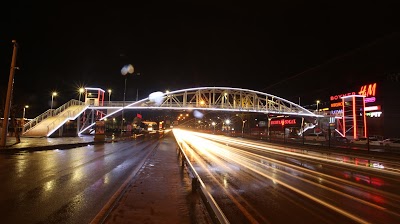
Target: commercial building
375,113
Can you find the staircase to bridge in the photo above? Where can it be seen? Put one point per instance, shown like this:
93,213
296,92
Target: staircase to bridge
49,121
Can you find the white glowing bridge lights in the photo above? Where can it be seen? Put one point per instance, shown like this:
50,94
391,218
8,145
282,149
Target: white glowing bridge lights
220,99
223,99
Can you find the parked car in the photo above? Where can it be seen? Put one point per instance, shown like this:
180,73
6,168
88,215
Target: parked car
342,139
314,137
364,141
391,142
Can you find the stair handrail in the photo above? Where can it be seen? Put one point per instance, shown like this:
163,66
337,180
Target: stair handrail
64,117
49,113
36,120
63,107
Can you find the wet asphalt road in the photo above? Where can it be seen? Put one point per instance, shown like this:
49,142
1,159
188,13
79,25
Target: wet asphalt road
65,186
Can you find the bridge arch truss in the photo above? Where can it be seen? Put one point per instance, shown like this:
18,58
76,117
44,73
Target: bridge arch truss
222,99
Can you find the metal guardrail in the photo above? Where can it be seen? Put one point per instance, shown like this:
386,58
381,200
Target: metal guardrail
216,213
49,113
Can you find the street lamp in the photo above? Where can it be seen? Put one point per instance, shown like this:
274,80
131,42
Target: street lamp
213,124
52,100
124,71
109,95
317,104
228,122
243,122
228,128
81,90
23,115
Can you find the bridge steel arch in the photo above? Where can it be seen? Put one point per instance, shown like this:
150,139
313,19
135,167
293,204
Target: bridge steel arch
229,99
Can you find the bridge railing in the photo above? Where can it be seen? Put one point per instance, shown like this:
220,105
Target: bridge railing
216,106
219,106
117,103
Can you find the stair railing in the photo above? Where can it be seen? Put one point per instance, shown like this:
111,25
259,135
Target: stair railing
49,113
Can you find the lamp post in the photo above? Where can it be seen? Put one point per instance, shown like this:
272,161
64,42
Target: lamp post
9,94
23,114
213,124
109,96
52,100
124,71
243,122
228,122
81,90
317,104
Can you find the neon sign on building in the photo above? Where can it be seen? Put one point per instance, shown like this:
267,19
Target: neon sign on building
283,122
369,91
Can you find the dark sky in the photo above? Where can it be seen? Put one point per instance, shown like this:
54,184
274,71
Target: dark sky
292,49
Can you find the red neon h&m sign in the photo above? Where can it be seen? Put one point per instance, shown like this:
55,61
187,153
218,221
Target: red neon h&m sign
368,90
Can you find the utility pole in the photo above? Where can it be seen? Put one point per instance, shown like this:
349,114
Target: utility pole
9,95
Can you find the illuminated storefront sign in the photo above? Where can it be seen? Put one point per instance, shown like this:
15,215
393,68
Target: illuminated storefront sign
339,97
336,111
372,108
370,99
374,114
369,91
338,104
365,90
283,122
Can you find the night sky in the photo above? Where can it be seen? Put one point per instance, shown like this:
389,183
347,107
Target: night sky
286,48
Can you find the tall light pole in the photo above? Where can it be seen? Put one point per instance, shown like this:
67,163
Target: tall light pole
23,114
81,90
213,124
9,93
109,96
317,104
127,69
53,94
228,126
243,122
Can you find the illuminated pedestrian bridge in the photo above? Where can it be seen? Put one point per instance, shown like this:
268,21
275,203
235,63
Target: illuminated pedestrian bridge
223,99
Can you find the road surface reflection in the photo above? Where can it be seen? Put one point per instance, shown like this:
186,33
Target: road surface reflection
255,182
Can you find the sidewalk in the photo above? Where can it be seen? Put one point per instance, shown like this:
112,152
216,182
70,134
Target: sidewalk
27,143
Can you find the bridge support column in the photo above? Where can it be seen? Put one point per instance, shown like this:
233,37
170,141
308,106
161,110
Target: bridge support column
78,124
60,131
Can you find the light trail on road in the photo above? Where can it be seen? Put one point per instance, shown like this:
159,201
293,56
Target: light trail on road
256,182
